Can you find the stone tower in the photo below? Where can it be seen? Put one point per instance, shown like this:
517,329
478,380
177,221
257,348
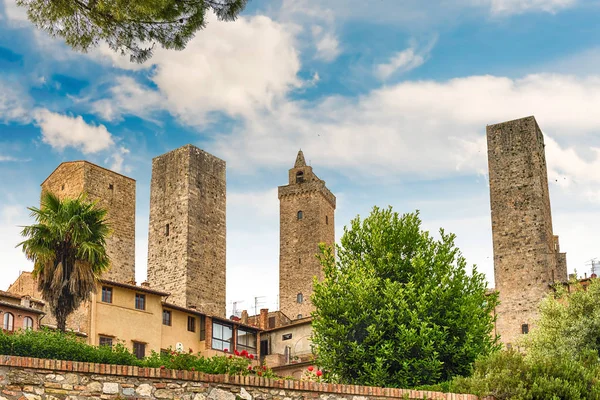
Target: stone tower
306,218
112,191
527,258
186,238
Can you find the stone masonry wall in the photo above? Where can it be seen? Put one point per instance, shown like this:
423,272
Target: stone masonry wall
300,238
186,239
37,379
525,262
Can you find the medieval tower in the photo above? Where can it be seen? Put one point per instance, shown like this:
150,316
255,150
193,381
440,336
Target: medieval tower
526,253
112,191
306,218
186,238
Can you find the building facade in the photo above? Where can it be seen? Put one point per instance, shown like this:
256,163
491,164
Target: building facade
186,238
20,312
527,258
112,191
306,219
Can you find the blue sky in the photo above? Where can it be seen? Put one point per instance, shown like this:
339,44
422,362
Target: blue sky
388,100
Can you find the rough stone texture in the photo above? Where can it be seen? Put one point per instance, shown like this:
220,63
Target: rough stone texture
188,196
151,383
527,258
299,238
113,191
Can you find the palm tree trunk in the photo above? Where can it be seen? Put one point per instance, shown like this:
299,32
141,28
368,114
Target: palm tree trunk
61,321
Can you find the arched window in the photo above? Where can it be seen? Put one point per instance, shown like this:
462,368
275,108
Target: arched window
299,298
27,323
300,214
299,177
9,322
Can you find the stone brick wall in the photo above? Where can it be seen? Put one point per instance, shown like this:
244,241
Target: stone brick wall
525,261
37,379
111,190
186,239
300,238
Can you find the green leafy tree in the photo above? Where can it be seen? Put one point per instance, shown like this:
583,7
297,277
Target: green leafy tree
67,245
398,307
128,27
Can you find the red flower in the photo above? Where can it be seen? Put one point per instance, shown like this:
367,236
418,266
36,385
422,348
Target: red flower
319,373
259,373
193,369
225,350
264,367
237,353
230,356
310,368
251,356
249,367
191,351
162,367
244,353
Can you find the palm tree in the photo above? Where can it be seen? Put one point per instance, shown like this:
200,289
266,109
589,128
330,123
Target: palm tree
68,247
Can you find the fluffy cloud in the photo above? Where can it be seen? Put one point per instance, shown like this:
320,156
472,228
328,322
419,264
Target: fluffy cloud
521,6
61,131
14,103
326,43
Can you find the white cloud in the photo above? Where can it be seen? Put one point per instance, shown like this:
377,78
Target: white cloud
15,103
522,6
117,159
12,217
16,16
403,61
61,131
326,43
263,202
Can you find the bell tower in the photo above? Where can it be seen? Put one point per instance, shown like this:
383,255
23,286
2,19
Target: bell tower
306,219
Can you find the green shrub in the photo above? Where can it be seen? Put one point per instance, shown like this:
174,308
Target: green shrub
55,345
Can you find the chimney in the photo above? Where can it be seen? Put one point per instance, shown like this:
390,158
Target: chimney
244,319
263,318
144,284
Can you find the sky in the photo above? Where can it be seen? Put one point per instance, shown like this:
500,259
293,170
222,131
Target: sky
388,100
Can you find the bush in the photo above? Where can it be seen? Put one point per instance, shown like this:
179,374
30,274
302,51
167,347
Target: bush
55,345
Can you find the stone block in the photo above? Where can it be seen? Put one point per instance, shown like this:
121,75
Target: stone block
110,388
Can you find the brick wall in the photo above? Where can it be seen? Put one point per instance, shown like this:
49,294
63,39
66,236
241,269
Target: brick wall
38,379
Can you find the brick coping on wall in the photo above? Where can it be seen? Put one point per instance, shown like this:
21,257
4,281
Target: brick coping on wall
158,373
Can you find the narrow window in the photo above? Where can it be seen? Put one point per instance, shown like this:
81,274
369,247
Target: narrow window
140,301
62,187
9,322
287,336
299,316
299,298
300,215
191,324
167,317
106,294
105,341
139,349
27,323
202,327
167,230
299,260
525,329
111,186
299,177
271,322
326,220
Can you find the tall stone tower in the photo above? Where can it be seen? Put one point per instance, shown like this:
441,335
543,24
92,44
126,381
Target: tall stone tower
186,238
306,218
112,191
527,258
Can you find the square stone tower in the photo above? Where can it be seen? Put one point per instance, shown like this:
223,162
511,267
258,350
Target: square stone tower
527,258
306,218
111,190
186,238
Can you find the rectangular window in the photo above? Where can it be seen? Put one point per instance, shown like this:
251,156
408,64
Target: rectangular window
271,322
287,336
106,294
202,327
525,329
139,349
105,341
191,324
140,301
246,340
221,336
167,317
167,230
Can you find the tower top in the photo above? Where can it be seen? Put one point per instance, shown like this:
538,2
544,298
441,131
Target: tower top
300,162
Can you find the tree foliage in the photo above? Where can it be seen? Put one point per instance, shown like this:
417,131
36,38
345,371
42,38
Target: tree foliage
398,308
68,247
561,358
128,27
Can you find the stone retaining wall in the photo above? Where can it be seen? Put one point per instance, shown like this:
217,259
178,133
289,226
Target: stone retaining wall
23,378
